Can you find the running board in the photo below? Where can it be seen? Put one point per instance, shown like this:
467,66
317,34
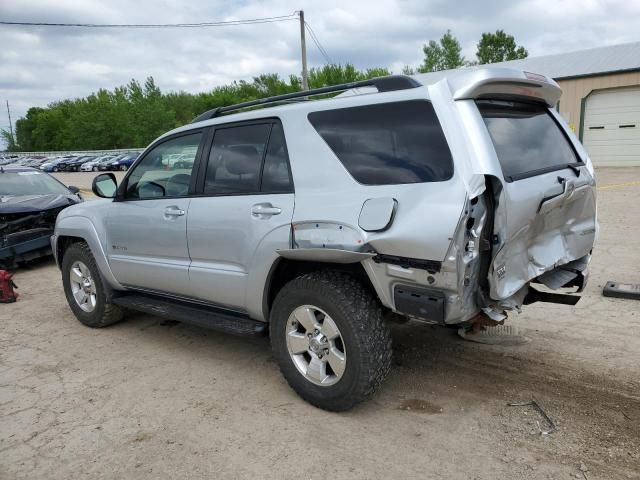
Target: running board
193,314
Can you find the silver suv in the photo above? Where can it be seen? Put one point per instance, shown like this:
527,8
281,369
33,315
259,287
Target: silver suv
436,199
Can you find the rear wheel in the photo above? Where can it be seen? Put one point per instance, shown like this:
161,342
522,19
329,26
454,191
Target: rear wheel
329,339
86,293
95,169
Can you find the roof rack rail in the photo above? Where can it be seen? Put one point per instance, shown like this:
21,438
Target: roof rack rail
383,84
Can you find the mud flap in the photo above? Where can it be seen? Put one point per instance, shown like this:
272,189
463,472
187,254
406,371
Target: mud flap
537,296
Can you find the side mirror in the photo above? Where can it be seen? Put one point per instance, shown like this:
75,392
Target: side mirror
104,185
73,189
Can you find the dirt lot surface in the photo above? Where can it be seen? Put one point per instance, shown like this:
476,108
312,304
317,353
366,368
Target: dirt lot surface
153,399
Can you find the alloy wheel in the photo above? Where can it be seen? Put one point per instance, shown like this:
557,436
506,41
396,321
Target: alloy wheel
83,287
315,345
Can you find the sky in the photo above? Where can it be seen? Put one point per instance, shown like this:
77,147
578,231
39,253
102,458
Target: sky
39,65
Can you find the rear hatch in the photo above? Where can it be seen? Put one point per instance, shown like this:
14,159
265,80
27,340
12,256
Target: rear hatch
546,213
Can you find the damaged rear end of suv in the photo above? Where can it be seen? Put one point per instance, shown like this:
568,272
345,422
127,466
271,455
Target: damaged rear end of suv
492,205
529,224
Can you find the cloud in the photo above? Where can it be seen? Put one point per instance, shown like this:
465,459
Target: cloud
40,65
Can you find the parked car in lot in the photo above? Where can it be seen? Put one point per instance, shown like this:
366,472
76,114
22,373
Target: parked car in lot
8,159
63,165
444,201
121,162
74,166
30,201
93,165
53,165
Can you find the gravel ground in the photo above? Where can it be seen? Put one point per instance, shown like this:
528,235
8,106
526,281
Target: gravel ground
153,399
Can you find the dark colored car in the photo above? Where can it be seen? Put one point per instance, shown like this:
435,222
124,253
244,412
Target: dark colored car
74,165
64,164
30,201
125,162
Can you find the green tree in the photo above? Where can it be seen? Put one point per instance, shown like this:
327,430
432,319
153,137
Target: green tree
133,115
499,47
408,70
443,55
8,140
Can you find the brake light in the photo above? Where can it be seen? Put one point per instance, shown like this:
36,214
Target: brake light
535,76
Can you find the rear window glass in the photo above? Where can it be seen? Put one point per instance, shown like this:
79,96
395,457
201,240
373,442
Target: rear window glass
526,137
388,143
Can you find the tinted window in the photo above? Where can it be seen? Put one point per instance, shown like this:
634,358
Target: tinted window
388,143
275,174
166,170
526,138
236,159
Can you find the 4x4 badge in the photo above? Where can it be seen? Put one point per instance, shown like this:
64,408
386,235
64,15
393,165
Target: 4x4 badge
502,269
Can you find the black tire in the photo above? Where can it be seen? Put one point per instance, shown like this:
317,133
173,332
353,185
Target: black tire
358,316
105,312
123,168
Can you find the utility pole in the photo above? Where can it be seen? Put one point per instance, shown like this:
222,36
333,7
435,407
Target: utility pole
13,140
303,45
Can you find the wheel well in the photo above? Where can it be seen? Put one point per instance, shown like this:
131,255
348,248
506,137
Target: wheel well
64,242
285,270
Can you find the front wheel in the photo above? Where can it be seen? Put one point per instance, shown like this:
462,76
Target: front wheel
329,339
84,288
123,168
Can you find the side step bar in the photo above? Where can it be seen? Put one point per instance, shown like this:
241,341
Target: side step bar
193,314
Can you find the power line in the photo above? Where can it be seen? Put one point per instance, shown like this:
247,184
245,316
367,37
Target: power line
251,21
318,44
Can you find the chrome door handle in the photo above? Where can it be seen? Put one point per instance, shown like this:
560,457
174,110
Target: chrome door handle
173,212
265,209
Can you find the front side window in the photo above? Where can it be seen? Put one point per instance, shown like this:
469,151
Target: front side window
527,139
387,143
166,170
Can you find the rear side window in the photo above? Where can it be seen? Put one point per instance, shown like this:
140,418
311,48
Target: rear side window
248,159
236,159
527,139
388,143
275,173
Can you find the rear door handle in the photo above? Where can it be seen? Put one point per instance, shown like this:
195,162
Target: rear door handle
173,211
265,210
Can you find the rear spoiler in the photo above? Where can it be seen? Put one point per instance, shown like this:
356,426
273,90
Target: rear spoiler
503,83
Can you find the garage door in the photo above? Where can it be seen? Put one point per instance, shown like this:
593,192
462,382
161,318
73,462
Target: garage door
612,127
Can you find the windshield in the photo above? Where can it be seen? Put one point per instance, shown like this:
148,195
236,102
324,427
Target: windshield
526,137
30,183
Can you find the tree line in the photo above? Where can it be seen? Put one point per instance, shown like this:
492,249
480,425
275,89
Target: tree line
132,115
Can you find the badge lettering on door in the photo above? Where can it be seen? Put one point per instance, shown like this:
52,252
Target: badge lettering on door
118,247
500,272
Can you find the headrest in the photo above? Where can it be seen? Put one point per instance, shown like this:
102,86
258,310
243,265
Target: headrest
241,159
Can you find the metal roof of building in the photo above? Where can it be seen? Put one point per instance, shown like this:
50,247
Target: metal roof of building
583,63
